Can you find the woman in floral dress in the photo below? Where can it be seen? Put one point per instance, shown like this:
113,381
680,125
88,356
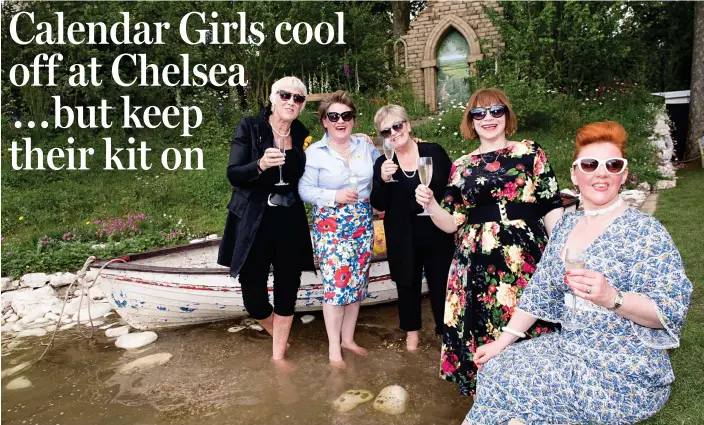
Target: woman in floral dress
609,364
502,200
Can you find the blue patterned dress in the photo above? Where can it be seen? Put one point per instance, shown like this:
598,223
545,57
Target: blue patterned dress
612,371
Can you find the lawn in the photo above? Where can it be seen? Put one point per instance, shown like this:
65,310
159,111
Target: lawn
680,210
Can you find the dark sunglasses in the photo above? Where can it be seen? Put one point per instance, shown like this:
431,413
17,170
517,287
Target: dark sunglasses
286,96
590,165
496,111
335,116
397,126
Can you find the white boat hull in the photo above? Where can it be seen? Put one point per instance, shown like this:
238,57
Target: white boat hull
153,299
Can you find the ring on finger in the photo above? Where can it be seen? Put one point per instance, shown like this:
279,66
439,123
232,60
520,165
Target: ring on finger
588,290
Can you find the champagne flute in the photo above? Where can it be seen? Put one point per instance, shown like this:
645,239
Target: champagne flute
425,173
572,262
389,151
353,181
282,147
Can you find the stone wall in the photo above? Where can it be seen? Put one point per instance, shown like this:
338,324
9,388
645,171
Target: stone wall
428,29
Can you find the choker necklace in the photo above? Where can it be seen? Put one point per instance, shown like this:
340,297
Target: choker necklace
602,211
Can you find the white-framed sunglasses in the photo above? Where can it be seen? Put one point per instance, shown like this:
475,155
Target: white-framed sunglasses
590,165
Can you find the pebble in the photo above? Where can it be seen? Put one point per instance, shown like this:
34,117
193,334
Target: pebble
248,322
256,327
52,316
12,370
236,329
13,318
117,332
16,327
136,340
109,325
42,320
19,383
307,318
67,326
32,332
96,323
351,399
392,400
14,344
144,363
51,328
96,310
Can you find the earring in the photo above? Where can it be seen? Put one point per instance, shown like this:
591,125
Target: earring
620,189
576,189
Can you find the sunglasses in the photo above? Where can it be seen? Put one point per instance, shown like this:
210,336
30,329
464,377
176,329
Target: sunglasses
496,111
590,165
335,116
397,127
286,96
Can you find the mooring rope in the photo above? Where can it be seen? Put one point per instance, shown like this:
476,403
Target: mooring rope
80,275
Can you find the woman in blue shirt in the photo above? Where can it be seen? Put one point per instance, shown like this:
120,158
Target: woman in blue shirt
337,180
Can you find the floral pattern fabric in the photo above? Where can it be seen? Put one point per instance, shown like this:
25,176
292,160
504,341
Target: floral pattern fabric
493,261
344,236
610,371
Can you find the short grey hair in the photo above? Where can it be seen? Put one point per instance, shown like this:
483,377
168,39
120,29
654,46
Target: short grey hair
387,111
293,82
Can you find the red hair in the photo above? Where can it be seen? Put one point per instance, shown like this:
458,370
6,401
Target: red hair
486,97
601,132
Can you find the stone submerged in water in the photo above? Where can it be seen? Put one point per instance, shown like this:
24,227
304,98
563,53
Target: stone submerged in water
307,318
392,400
117,332
144,363
135,340
12,370
351,399
236,329
19,383
32,332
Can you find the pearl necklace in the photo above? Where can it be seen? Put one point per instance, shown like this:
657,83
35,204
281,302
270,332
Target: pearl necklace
413,174
602,211
279,134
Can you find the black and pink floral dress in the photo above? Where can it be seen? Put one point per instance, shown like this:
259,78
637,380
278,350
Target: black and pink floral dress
497,201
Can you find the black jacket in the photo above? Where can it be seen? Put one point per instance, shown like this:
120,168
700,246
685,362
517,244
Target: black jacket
400,209
250,192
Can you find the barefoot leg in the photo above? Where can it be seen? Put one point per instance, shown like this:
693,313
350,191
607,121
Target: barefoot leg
282,329
334,315
348,327
412,340
268,324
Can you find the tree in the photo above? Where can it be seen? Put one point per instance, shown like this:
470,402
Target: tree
402,16
696,99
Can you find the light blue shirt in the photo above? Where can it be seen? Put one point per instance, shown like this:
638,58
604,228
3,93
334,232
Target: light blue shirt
326,171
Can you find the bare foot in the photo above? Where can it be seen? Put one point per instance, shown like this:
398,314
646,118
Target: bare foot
356,349
268,324
412,341
338,364
283,365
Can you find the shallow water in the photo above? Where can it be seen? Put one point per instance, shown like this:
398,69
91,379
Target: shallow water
216,377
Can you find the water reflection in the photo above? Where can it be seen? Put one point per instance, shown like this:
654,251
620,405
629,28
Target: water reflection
226,378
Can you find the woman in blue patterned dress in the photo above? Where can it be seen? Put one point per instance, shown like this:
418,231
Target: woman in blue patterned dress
609,364
337,180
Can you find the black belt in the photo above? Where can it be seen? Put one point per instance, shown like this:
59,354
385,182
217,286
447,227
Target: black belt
276,200
501,213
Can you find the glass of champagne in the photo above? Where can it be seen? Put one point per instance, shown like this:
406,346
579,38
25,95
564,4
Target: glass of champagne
389,151
281,145
425,174
573,262
353,181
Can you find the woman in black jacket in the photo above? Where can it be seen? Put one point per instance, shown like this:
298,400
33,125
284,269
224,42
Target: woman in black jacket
413,242
266,221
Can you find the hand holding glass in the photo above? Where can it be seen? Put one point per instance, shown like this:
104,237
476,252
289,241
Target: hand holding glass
281,145
425,173
389,151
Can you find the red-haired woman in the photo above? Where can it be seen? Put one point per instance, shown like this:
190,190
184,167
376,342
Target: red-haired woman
502,200
609,364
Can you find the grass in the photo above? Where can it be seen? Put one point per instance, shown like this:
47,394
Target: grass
680,210
43,205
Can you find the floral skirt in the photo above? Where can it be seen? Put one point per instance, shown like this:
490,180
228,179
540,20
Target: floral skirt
343,237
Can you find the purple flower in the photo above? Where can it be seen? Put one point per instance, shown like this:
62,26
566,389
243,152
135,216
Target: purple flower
347,70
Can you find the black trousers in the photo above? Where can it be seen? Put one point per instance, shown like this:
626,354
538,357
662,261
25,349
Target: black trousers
436,261
271,247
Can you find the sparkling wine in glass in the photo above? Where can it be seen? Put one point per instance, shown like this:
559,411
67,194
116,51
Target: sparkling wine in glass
425,174
353,181
389,151
573,262
281,145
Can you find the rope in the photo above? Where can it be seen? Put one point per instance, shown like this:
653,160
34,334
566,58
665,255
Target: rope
80,275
